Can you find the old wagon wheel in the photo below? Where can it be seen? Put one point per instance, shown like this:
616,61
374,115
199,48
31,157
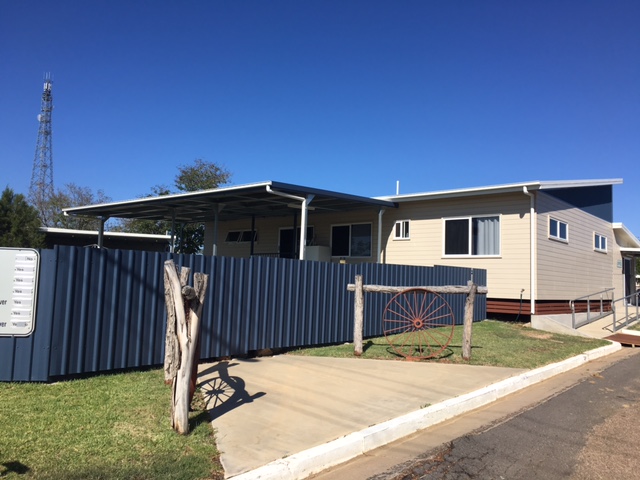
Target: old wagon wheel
418,323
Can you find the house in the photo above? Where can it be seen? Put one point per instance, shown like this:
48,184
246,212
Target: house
543,244
115,240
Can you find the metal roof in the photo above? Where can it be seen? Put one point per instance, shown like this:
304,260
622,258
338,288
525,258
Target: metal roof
235,202
93,233
496,189
628,241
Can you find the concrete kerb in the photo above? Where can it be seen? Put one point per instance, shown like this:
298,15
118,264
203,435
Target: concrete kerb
314,460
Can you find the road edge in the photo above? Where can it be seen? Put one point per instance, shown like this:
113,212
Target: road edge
314,460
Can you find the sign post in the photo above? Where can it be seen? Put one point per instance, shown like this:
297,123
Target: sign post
18,291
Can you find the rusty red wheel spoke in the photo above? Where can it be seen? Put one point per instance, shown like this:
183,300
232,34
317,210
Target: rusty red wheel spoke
399,330
407,336
435,339
402,307
431,321
400,315
424,313
398,321
427,343
431,313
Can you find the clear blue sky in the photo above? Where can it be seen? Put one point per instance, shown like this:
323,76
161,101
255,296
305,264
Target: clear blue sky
342,95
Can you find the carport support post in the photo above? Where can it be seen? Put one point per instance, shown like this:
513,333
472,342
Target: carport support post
358,323
468,320
101,232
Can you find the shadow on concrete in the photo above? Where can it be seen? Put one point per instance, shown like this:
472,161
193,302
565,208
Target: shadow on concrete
222,392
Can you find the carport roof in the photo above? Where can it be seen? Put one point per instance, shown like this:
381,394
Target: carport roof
235,202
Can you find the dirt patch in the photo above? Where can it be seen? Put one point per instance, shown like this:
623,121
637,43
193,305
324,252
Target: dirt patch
611,449
538,335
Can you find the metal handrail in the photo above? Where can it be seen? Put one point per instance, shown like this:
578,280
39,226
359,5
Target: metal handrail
627,301
600,314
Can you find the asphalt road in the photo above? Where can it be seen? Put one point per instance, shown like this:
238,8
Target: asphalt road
578,425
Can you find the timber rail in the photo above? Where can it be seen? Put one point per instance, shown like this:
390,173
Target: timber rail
469,290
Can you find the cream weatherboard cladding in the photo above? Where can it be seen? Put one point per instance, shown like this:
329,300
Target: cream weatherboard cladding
269,230
508,273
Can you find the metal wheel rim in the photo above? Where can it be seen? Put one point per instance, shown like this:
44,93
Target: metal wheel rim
418,324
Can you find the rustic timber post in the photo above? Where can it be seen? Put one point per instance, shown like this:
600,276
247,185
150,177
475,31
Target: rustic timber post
184,309
358,323
468,320
171,348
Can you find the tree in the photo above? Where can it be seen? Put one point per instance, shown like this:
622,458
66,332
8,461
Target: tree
73,196
202,175
19,222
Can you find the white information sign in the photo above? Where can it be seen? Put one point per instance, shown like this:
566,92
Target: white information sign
19,269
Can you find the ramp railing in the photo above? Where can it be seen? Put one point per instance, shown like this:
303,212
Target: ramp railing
597,298
621,321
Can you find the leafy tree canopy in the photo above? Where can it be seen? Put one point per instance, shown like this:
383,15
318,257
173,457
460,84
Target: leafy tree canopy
201,175
73,196
19,222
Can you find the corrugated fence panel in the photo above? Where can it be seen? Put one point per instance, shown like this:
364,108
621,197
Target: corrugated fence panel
109,311
103,310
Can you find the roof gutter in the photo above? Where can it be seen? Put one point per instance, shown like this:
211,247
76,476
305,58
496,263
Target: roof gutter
532,249
305,201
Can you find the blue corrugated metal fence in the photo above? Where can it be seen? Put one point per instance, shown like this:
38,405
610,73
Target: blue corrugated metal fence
103,310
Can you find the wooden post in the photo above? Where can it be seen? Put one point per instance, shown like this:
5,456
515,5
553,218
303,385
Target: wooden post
468,321
358,323
184,306
171,348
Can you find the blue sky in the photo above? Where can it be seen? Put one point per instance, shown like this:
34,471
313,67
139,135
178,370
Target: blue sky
349,96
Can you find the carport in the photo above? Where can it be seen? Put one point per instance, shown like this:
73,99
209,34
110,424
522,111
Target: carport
264,199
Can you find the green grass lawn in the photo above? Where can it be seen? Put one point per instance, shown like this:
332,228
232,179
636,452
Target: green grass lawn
634,326
105,427
493,343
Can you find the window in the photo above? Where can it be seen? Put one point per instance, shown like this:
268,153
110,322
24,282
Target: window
401,230
472,236
558,230
351,240
241,236
289,245
600,243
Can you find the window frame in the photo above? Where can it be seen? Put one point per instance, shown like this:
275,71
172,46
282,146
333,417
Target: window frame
558,235
405,230
310,240
470,236
597,246
350,240
241,235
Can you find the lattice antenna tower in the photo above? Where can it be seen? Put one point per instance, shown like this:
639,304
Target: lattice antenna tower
41,187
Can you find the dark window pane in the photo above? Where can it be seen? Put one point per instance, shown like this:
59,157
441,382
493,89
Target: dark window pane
246,236
456,237
232,236
563,231
361,240
340,241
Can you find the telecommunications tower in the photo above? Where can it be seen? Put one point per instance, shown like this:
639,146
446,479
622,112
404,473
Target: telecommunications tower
41,187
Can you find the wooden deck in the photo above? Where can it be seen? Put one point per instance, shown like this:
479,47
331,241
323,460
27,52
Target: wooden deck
625,339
